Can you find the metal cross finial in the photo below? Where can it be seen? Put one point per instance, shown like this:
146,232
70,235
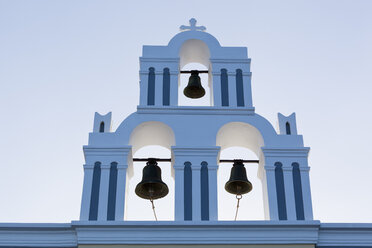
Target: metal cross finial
192,26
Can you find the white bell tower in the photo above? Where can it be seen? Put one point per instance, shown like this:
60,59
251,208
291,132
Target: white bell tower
229,121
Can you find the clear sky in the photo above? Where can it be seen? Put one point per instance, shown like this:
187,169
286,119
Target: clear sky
60,61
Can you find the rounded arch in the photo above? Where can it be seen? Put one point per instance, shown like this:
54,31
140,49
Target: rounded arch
194,51
240,134
152,133
177,41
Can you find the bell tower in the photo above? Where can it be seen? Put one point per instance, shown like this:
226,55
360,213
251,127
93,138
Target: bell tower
195,136
228,70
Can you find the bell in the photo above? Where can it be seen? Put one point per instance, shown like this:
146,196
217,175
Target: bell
238,183
151,187
194,89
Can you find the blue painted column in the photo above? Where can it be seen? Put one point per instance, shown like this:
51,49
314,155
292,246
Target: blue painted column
232,88
216,94
196,193
173,88
213,194
179,202
144,75
247,89
267,171
158,87
87,189
289,192
306,191
120,191
103,192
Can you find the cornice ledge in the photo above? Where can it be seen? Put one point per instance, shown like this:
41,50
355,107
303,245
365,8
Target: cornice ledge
206,151
88,149
237,61
37,235
345,234
195,110
256,232
286,151
154,59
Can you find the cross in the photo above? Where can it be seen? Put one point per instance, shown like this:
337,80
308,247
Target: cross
193,26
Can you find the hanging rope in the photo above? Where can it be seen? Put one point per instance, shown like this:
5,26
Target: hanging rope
153,209
238,197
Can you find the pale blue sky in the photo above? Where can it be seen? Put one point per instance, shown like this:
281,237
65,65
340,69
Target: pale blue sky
60,61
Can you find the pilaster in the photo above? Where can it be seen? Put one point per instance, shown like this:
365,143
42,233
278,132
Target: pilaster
213,194
174,81
87,190
144,84
232,89
289,192
196,155
158,88
247,89
103,192
196,193
306,192
216,89
120,191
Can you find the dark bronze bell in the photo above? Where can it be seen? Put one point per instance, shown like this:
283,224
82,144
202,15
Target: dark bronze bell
194,89
151,187
238,183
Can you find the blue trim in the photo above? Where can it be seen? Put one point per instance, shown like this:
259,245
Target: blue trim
93,210
341,246
280,192
224,88
166,87
297,185
151,87
112,191
204,188
239,88
187,191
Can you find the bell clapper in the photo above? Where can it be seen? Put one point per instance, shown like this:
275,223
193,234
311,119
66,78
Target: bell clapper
151,192
238,197
153,209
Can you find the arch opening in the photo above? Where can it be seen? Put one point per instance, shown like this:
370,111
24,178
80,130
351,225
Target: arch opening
240,140
140,209
195,55
251,204
205,79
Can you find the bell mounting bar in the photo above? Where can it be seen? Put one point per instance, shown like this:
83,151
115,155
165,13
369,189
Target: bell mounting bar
193,70
233,160
156,159
169,160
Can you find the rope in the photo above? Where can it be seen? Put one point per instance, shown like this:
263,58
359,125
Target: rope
238,197
153,209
